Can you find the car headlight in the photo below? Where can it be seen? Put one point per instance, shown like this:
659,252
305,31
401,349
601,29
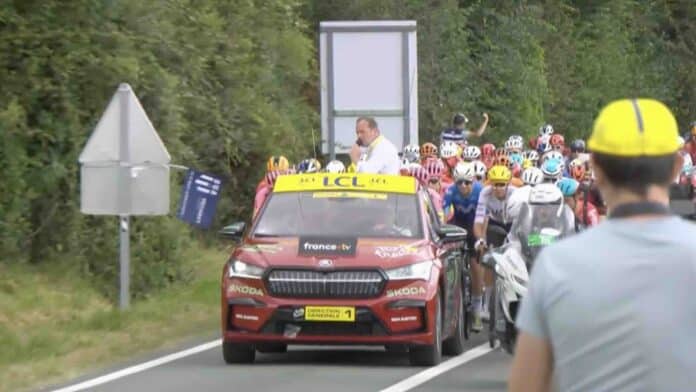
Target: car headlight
413,271
240,269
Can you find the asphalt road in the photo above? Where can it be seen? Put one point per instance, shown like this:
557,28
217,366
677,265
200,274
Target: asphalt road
317,368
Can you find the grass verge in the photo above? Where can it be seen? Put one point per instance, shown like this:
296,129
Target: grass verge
54,326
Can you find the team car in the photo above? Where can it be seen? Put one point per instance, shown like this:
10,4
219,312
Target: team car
345,259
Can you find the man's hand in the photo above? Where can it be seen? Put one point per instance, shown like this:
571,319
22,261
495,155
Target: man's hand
355,153
485,117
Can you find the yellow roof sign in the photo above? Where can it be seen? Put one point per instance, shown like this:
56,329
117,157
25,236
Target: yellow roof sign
345,182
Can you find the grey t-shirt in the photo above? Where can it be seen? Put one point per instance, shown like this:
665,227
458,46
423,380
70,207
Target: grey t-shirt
618,305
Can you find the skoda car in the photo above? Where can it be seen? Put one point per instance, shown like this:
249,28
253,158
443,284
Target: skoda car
345,259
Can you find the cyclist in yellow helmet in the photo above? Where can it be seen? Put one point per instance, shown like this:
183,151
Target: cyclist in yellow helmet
490,218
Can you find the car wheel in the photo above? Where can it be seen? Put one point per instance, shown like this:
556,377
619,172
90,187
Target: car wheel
430,355
272,348
238,352
454,345
492,306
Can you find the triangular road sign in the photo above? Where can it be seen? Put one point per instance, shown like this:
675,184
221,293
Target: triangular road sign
144,144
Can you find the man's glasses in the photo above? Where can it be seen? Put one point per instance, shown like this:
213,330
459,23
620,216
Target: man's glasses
464,182
434,180
499,185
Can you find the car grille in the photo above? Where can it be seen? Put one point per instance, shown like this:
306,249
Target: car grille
325,284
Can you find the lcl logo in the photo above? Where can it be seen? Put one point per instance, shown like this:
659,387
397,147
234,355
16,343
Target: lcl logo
342,182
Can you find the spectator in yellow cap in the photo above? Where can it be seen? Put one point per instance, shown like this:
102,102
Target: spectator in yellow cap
612,309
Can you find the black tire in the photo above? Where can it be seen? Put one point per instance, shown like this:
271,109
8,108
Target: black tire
510,338
238,353
454,345
272,348
468,310
492,306
430,355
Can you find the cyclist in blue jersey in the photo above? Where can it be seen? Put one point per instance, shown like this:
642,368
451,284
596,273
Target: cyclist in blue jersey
459,203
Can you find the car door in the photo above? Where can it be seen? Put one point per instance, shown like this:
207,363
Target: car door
451,256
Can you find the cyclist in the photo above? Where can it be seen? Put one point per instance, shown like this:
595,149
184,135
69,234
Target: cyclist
458,133
310,165
491,211
460,205
471,153
411,153
428,150
274,163
265,189
335,166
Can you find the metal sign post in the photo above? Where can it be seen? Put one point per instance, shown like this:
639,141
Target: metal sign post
124,197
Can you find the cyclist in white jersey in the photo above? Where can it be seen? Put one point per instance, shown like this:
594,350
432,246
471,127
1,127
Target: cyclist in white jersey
491,211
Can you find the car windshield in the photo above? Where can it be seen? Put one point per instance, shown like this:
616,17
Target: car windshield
352,214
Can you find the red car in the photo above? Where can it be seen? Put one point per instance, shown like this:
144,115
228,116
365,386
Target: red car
345,259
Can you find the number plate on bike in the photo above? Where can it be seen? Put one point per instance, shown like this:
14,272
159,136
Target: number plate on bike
329,313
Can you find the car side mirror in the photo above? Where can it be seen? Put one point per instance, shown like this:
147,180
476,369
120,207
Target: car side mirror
233,231
451,233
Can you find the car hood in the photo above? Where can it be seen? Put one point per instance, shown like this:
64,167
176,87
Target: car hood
370,253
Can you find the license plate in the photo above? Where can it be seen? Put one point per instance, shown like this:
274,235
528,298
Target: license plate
329,313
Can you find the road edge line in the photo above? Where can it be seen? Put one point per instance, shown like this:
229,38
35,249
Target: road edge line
430,373
139,367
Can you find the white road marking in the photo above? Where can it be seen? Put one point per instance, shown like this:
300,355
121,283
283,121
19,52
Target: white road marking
428,374
140,367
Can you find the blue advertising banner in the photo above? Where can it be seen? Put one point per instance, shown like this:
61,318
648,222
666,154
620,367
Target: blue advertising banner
199,198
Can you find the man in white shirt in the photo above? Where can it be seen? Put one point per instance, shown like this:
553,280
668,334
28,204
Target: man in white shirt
381,156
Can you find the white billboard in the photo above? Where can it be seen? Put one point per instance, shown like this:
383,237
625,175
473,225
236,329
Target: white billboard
368,68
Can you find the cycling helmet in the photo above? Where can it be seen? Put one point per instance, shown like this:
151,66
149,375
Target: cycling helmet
412,152
499,174
464,171
578,145
480,170
277,163
335,166
568,186
428,150
503,160
419,173
471,153
500,152
352,168
526,164
553,155
575,162
546,130
514,144
515,169
459,119
448,150
434,168
557,140
552,169
532,155
310,165
517,158
487,149
578,172
532,176
517,138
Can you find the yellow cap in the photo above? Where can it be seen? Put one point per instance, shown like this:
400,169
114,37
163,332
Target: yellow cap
633,128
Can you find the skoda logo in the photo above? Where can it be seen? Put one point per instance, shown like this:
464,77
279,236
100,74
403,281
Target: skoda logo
325,263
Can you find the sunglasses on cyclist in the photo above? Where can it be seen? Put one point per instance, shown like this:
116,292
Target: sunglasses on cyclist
465,182
499,185
434,180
